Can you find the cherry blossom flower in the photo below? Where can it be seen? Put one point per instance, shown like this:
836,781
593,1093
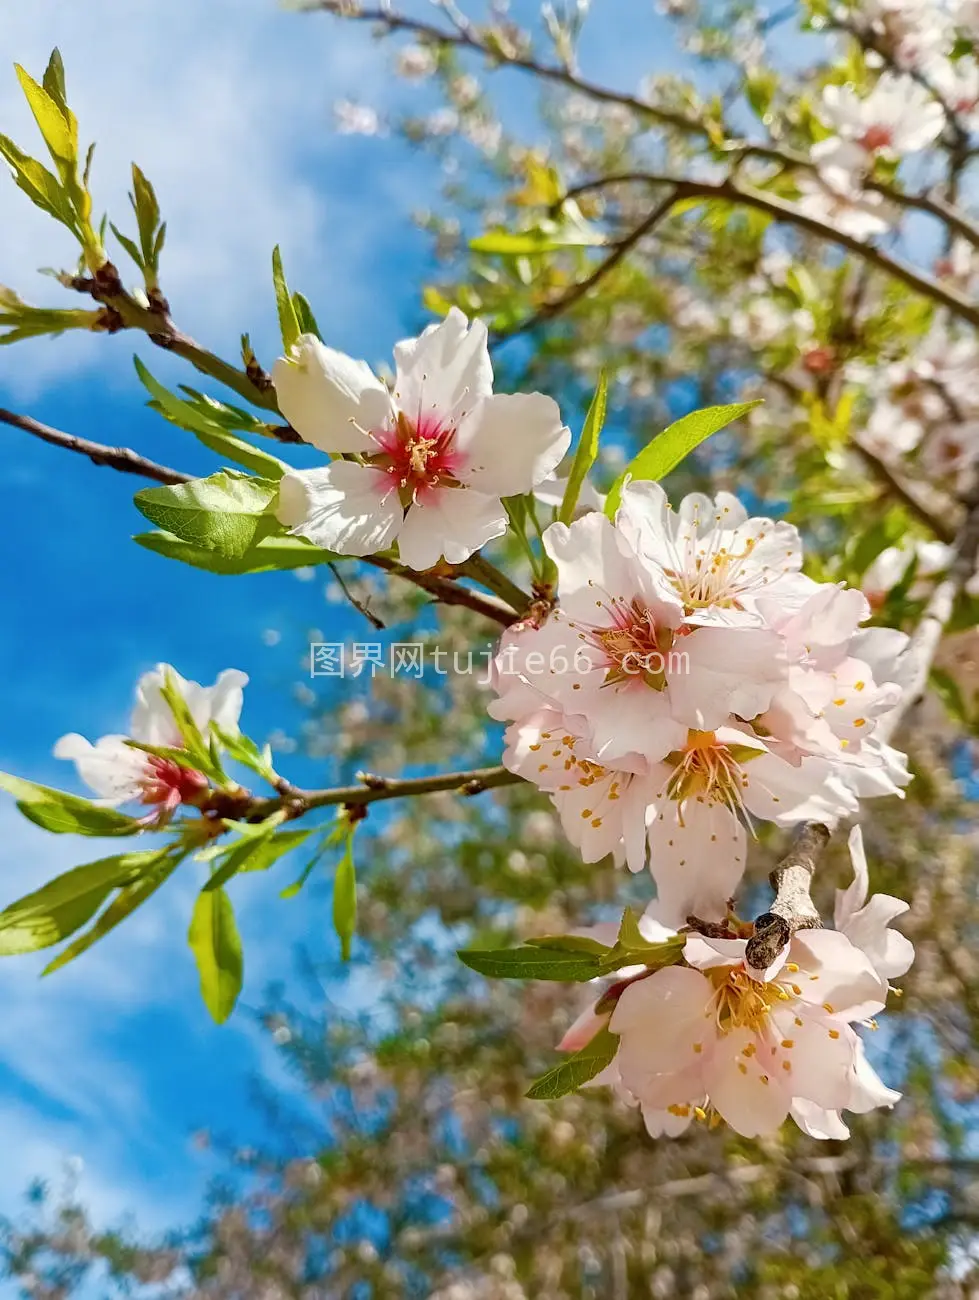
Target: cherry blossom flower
603,810
119,774
899,116
433,458
930,557
715,1037
709,793
633,647
835,198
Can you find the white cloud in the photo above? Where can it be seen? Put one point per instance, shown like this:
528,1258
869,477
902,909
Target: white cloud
226,107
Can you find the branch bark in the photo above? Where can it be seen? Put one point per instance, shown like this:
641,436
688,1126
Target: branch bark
732,191
444,590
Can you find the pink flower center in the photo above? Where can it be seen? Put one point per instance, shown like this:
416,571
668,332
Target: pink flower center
634,647
168,784
877,137
419,457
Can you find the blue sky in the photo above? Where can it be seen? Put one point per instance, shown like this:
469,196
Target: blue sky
226,104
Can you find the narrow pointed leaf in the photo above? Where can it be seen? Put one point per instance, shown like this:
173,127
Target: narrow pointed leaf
673,445
576,1070
216,945
345,899
66,814
288,320
587,450
570,965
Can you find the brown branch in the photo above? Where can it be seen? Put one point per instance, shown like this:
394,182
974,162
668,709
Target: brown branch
118,458
793,908
444,590
732,191
904,493
579,290
370,789
469,38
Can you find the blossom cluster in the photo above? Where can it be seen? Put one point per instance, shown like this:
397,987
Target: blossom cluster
686,682
714,1039
768,714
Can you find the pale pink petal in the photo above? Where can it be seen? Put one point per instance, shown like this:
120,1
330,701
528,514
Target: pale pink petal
511,442
583,1030
110,767
665,1123
723,670
697,855
815,1056
742,1089
868,1091
329,398
660,1021
449,522
446,371
836,975
343,507
816,1122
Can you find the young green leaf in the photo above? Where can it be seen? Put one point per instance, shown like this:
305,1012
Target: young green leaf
304,315
42,187
673,445
126,901
268,555
288,320
64,904
56,122
216,945
207,430
256,854
345,898
587,450
568,965
225,513
576,1070
66,814
54,79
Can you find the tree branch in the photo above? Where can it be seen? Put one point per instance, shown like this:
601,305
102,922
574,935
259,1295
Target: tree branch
731,191
445,590
469,37
579,290
370,789
118,458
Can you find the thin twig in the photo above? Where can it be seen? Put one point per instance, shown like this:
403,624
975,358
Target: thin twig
118,458
579,290
444,590
360,606
732,191
376,789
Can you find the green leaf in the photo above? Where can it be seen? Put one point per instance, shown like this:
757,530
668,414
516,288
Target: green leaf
244,750
54,79
587,450
288,319
576,1070
129,246
269,555
209,431
568,965
216,945
147,209
225,513
41,186
126,901
571,943
305,317
57,124
533,243
666,451
345,898
257,854
66,814
66,903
